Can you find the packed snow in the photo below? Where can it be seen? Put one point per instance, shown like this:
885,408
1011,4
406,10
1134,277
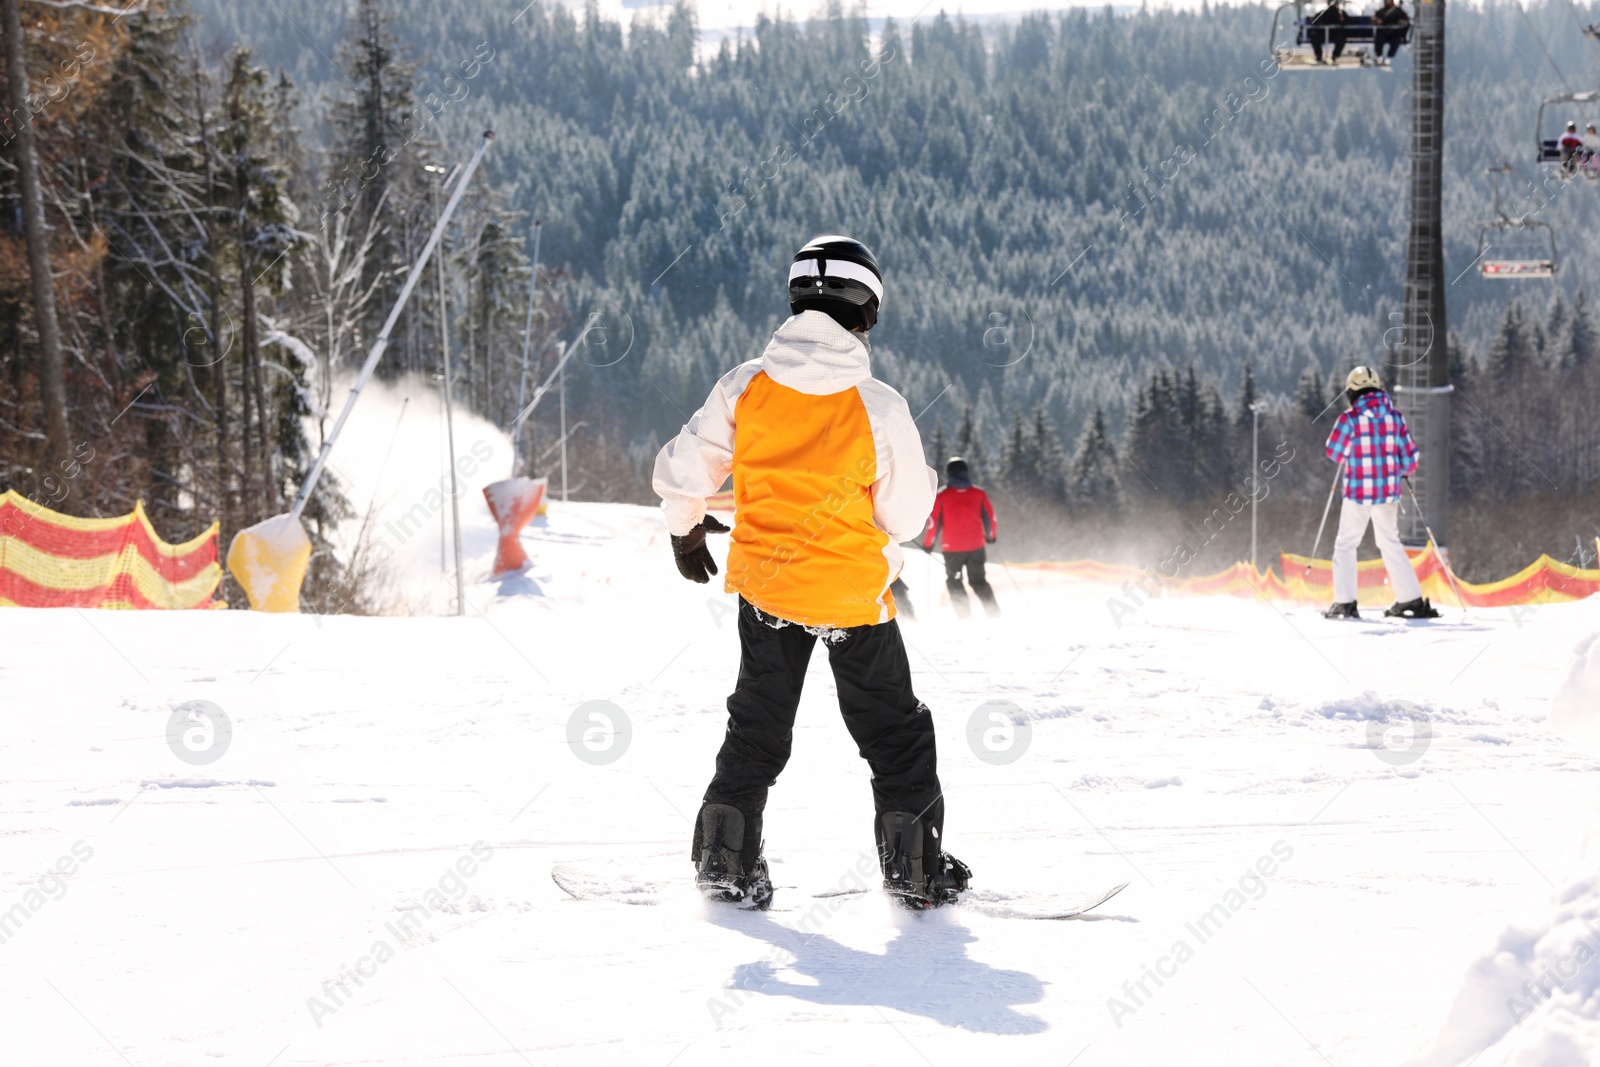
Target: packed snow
292,840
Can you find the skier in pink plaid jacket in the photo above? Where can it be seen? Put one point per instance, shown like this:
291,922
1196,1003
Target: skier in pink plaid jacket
1375,446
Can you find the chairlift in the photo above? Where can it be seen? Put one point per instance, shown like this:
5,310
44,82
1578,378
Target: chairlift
1293,33
1520,251
1550,147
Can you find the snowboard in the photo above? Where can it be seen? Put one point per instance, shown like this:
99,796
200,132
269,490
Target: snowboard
1002,905
582,883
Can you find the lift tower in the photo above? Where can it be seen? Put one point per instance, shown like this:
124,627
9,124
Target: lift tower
1421,361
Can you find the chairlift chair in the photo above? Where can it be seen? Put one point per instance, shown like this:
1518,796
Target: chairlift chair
1291,39
1550,147
1520,258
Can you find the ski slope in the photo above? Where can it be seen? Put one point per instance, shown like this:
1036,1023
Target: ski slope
362,876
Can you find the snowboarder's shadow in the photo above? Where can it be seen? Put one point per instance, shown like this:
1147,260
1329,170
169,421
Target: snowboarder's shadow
923,971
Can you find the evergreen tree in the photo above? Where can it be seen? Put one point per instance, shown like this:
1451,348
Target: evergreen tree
1512,350
262,234
1049,459
1094,485
1311,395
1158,440
375,170
969,446
1016,459
1581,340
1554,337
938,449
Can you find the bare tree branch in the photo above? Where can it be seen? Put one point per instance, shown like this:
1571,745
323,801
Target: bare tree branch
133,7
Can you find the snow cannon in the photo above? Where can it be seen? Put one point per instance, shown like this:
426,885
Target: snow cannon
513,503
269,561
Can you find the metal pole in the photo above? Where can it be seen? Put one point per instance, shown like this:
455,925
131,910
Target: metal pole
550,379
563,373
1255,472
444,532
450,425
1422,361
527,337
383,336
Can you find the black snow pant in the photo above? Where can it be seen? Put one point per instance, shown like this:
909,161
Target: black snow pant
893,730
1317,34
972,562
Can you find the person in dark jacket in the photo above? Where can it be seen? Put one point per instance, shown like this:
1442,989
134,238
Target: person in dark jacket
1389,25
1327,25
964,517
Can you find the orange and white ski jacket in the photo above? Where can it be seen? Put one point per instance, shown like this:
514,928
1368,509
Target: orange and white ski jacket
828,476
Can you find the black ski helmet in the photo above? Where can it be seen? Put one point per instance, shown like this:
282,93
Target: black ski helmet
956,473
839,276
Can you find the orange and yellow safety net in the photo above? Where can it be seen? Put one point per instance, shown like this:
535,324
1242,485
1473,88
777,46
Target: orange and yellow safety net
49,560
1544,581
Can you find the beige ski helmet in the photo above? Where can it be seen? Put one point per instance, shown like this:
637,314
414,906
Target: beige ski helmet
1361,378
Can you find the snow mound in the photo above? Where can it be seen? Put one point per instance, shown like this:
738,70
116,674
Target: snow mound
1369,707
1575,713
1534,999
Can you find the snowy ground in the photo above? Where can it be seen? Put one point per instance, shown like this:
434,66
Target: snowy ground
208,913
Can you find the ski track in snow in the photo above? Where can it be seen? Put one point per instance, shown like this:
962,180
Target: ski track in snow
364,875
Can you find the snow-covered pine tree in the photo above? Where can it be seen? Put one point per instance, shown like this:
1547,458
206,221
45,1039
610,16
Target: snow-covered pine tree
969,446
375,172
1094,485
1311,395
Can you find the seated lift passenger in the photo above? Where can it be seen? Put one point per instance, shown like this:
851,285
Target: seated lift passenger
1327,24
1389,25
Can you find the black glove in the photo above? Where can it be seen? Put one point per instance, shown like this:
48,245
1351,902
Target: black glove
693,558
927,549
992,540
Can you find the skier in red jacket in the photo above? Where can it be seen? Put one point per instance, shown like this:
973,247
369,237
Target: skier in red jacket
963,514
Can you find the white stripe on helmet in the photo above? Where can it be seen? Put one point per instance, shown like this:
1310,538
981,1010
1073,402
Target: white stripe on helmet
838,268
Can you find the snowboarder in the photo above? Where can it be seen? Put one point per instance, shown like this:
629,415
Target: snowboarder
963,515
1375,446
828,479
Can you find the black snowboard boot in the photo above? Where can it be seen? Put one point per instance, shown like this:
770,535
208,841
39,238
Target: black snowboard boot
1420,608
916,872
727,857
1347,610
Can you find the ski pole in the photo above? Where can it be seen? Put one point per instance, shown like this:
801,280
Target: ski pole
1435,543
1334,488
1007,568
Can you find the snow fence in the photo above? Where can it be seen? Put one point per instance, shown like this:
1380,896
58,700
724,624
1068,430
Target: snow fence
51,560
1544,581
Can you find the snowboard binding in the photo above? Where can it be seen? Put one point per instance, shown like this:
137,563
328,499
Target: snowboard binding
727,868
909,877
1347,610
1420,608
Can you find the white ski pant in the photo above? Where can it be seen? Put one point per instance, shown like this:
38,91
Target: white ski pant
1385,519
